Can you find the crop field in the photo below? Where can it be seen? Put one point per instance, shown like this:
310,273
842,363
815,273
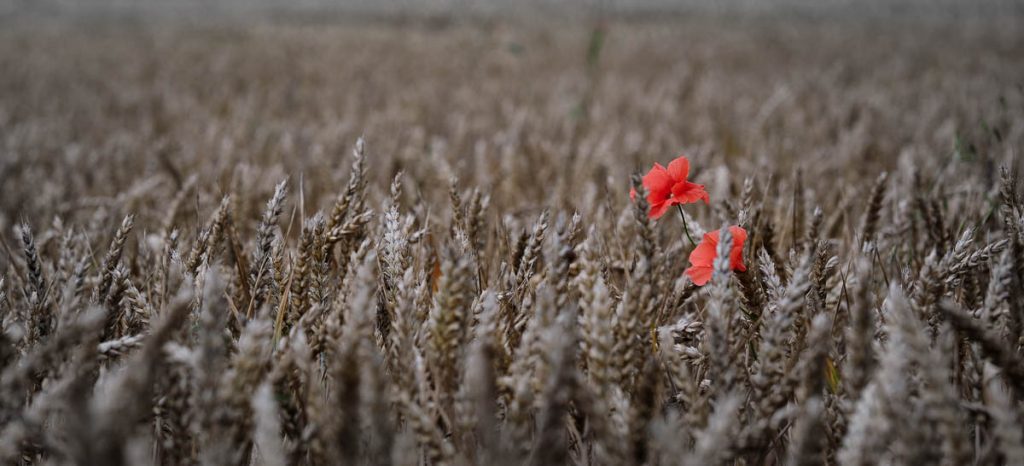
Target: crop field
679,240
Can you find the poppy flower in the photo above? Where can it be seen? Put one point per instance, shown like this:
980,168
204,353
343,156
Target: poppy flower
702,259
667,187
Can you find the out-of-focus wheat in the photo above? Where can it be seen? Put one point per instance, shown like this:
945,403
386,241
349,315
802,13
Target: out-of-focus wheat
194,271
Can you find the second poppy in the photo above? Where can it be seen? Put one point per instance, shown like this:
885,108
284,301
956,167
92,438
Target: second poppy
702,258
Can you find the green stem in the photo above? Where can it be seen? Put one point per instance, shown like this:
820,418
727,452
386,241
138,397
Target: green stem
685,227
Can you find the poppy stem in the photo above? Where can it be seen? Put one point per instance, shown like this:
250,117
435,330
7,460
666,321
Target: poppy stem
686,228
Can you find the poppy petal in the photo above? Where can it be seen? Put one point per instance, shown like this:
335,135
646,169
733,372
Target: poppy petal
687,192
699,275
679,169
658,182
656,210
704,254
739,236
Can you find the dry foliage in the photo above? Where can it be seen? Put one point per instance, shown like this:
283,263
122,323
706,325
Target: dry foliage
195,270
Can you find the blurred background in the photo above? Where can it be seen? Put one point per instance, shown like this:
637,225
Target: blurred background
120,102
949,9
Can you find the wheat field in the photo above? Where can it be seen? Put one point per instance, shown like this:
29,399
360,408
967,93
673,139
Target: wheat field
412,242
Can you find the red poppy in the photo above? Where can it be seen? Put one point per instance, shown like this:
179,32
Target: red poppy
667,187
702,259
